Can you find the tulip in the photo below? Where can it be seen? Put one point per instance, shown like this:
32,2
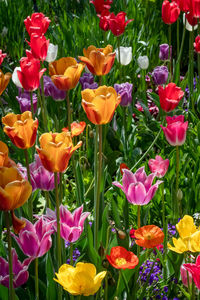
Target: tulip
194,270
51,53
100,104
149,236
56,150
76,128
164,52
143,62
80,280
21,129
2,56
184,5
195,9
65,73
122,167
125,91
104,20
39,46
189,22
5,161
98,60
118,23
125,55
120,258
50,90
160,75
87,82
170,12
101,5
197,44
170,96
175,132
20,271
158,166
4,81
37,23
35,239
138,187
185,275
15,77
24,100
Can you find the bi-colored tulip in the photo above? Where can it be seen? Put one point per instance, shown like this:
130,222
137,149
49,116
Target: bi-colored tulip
170,96
185,275
118,23
2,56
4,81
21,129
76,128
175,132
101,5
125,55
80,280
100,104
5,161
120,258
37,23
149,236
98,60
197,44
56,150
15,77
170,12
39,46
65,73
190,22
194,270
158,166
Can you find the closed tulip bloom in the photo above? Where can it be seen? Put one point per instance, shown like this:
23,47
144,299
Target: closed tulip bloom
118,23
24,100
184,276
14,189
125,55
190,22
194,270
87,81
175,132
160,75
101,5
80,280
158,166
56,150
4,81
98,60
120,258
21,129
65,73
170,96
149,236
100,104
39,46
37,23
50,90
164,52
195,9
2,56
197,44
51,53
125,91
184,5
143,62
138,187
104,18
170,12
20,270
76,128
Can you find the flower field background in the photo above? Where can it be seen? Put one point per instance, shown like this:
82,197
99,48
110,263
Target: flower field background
99,149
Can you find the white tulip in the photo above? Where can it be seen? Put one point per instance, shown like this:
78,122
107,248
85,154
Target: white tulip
143,62
125,55
187,24
15,78
52,53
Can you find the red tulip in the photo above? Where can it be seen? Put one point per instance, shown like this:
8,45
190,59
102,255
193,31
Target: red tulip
170,96
104,20
197,44
39,46
2,56
158,166
118,23
37,23
175,132
100,5
30,73
195,8
191,20
170,12
194,269
184,5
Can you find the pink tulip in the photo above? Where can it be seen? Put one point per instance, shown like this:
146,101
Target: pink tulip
184,276
20,270
35,240
158,166
175,132
138,187
194,269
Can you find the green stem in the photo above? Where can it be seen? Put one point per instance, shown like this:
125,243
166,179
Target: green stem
32,108
198,55
119,55
106,287
30,201
178,205
71,254
47,199
2,107
125,132
138,226
165,233
78,297
43,103
177,70
118,283
193,291
68,111
170,58
11,288
42,109
36,280
177,36
191,68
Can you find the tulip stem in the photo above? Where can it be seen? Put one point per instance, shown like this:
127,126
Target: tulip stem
43,103
68,111
71,254
36,280
32,108
11,288
119,55
177,67
170,58
118,283
165,233
177,36
125,132
42,109
198,55
138,226
191,68
58,230
178,207
30,201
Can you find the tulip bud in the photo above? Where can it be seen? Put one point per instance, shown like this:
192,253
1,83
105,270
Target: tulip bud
52,53
111,281
160,75
105,264
91,134
121,234
125,55
179,195
143,62
164,52
15,78
101,251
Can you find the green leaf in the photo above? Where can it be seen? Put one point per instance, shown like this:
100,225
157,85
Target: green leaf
51,286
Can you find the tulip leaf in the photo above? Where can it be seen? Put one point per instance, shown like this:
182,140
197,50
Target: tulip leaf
80,185
3,292
187,295
115,214
105,225
51,286
93,255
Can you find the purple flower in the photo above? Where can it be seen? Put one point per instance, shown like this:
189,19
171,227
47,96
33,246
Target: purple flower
160,75
138,187
20,270
87,82
164,52
24,100
125,91
50,90
35,239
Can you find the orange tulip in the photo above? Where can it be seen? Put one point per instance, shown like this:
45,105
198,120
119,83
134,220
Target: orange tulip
21,129
56,150
14,189
98,60
4,81
76,128
149,236
100,104
5,161
65,73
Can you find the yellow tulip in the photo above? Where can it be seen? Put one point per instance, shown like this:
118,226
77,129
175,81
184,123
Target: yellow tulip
180,245
195,242
80,280
186,227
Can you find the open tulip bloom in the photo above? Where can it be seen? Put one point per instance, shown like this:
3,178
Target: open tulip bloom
194,270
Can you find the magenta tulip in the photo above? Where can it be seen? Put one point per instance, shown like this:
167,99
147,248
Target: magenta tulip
138,187
20,270
184,276
194,269
175,132
158,166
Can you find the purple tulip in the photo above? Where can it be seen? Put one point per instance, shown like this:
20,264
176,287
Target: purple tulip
164,52
35,239
50,90
138,187
71,224
87,82
24,100
20,270
125,91
160,75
